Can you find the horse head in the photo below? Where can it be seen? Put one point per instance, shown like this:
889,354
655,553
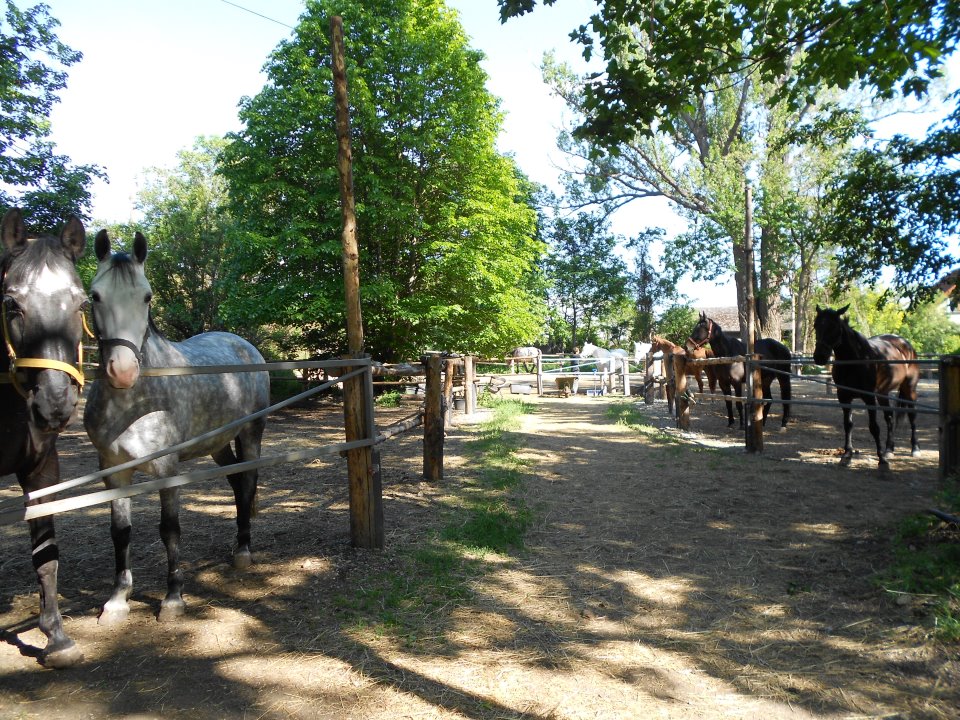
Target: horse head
42,319
828,327
703,332
121,297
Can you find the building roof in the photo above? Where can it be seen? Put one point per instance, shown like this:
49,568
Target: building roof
728,318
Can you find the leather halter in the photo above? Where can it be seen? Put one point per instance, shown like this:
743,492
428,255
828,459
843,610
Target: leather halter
706,340
16,364
106,343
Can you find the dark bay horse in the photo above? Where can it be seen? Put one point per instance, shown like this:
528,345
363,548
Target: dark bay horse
43,301
733,376
871,380
128,416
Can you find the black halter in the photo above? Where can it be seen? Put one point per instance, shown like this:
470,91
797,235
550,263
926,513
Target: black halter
106,343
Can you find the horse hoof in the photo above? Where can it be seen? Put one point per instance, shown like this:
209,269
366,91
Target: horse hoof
242,559
783,428
63,657
915,452
113,615
845,460
171,610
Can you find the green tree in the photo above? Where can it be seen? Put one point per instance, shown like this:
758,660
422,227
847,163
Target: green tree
661,58
189,228
446,225
33,176
676,322
588,280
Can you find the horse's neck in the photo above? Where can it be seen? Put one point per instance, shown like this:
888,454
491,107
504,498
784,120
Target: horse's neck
157,350
853,345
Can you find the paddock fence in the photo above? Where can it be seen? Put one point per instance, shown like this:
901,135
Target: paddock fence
947,411
432,415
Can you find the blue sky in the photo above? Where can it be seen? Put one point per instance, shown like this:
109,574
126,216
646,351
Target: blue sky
157,75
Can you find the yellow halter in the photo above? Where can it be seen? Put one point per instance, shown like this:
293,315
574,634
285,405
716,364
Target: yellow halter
17,364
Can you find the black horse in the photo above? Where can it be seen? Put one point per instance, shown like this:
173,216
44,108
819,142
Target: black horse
40,383
733,375
872,379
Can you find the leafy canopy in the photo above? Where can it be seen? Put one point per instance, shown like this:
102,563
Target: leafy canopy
445,224
33,176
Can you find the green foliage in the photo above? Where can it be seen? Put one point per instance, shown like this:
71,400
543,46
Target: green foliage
676,323
927,563
445,225
391,398
33,65
588,280
189,230
669,69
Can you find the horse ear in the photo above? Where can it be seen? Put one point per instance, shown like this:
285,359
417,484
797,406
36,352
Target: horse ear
13,230
140,247
101,245
844,309
73,237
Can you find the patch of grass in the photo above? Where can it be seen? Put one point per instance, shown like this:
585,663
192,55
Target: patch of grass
488,516
627,413
390,398
927,563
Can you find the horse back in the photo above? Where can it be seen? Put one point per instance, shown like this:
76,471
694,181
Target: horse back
165,410
900,374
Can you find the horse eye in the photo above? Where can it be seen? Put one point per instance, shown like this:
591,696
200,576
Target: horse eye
148,297
10,305
95,296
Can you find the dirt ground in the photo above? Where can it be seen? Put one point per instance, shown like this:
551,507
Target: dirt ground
665,575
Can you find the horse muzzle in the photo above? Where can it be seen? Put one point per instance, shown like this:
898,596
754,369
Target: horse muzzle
54,401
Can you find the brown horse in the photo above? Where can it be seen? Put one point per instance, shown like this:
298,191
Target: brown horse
669,349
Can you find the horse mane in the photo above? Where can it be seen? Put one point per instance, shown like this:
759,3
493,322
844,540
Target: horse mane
859,341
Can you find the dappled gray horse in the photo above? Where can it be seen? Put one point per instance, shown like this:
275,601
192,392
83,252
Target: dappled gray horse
129,416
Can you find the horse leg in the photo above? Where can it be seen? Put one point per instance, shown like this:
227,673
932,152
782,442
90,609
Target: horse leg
60,651
908,399
172,606
768,396
116,608
847,435
875,431
244,486
699,377
888,416
786,394
727,389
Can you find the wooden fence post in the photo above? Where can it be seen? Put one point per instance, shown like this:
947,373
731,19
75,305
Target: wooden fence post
469,387
433,421
755,416
625,367
949,416
447,406
366,502
680,391
539,361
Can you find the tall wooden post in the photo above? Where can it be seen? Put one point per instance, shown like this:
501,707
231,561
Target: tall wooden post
433,421
625,367
366,502
949,416
447,405
755,439
754,432
469,385
539,361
